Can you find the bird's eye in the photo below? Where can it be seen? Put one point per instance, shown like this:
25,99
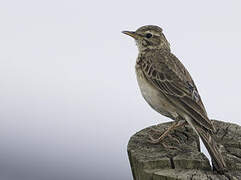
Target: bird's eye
148,35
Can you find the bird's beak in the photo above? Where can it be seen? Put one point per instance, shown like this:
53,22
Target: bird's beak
131,33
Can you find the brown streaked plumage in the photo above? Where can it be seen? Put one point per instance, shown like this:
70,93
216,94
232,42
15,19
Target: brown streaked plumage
168,88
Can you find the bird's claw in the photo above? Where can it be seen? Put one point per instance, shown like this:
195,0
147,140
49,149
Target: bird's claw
153,140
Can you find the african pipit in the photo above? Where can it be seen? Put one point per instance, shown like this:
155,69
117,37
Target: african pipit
168,88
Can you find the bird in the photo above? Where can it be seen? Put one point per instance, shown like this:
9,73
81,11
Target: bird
169,89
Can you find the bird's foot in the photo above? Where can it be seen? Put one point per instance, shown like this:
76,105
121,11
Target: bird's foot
153,140
166,133
159,141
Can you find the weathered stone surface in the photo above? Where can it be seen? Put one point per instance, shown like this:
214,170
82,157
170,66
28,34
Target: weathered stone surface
183,160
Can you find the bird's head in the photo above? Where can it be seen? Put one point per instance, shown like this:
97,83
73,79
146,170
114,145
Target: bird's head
149,37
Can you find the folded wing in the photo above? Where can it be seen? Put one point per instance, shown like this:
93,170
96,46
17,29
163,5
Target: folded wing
171,77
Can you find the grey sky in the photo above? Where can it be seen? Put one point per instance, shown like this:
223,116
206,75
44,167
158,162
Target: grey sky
69,96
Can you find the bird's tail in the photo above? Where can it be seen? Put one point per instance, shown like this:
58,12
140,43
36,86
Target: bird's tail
209,142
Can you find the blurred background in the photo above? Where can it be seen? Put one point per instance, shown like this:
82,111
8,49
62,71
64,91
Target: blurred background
69,100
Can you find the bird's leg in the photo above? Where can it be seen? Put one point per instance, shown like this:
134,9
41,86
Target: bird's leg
155,141
174,125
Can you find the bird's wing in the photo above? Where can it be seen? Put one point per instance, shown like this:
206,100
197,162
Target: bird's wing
170,76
